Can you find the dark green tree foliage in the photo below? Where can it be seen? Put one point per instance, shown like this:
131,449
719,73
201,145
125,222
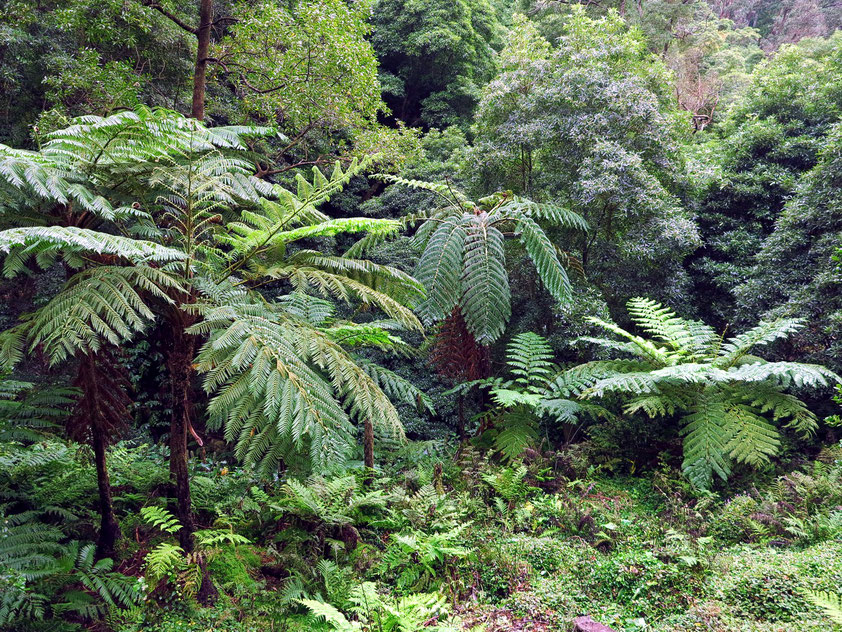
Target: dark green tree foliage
434,57
591,124
85,57
796,273
771,139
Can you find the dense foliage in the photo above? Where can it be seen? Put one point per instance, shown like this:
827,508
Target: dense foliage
403,315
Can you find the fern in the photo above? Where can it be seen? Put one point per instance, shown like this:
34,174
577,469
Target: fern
45,243
727,395
485,302
42,577
529,357
98,306
463,263
272,396
335,501
519,431
829,602
160,518
535,392
164,559
29,414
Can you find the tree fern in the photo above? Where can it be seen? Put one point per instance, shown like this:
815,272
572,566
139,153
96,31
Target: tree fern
282,386
74,244
728,397
28,413
532,396
97,306
463,259
486,299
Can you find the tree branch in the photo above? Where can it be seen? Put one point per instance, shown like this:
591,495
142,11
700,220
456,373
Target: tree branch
173,18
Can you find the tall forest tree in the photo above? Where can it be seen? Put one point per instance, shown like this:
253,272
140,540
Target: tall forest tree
434,57
769,142
591,125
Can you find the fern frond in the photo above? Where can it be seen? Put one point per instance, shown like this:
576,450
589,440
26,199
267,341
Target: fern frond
754,440
707,435
330,615
529,358
690,338
397,388
549,213
519,431
440,269
160,518
543,255
485,303
45,242
641,347
280,385
831,603
785,374
445,191
103,304
763,334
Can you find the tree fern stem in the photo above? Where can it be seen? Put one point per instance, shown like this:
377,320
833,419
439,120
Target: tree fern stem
368,449
179,363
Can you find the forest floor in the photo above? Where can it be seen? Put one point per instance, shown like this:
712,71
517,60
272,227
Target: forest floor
520,547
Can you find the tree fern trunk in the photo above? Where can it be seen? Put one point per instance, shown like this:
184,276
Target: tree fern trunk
180,364
368,450
109,530
100,412
463,433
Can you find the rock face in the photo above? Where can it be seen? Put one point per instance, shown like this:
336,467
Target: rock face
586,624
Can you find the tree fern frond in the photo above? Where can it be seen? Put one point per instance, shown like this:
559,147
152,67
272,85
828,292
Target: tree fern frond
19,244
529,358
485,302
397,388
754,439
694,339
543,255
440,269
707,435
642,347
785,374
763,334
346,288
550,213
445,191
519,431
100,304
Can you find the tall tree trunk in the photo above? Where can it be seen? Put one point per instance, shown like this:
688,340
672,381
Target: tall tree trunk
109,528
463,433
180,365
203,33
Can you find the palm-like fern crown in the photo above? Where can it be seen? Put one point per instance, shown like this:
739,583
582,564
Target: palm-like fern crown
81,165
463,262
730,399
